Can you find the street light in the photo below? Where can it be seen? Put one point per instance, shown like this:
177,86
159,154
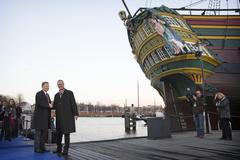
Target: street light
198,55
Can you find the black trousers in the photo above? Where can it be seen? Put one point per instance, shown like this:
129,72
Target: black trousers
6,130
40,139
59,140
226,129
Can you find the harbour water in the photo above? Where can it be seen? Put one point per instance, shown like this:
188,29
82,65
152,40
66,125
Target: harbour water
104,128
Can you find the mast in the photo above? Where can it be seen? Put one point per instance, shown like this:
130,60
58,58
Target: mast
125,5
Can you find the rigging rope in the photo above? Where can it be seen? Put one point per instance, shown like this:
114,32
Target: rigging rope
226,29
190,4
150,5
238,1
146,3
214,4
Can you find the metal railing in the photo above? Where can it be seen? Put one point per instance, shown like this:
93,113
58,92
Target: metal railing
197,11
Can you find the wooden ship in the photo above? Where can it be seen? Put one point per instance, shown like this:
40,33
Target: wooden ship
182,52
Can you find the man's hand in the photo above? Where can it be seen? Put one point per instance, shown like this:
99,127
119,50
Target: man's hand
76,117
50,105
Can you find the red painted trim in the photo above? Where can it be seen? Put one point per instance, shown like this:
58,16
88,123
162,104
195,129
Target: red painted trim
233,22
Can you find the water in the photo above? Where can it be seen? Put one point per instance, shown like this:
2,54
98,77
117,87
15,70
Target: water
104,128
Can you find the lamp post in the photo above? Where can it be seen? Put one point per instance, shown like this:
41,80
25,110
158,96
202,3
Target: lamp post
198,55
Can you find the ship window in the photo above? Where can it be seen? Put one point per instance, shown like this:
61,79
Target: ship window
171,21
170,52
182,23
150,60
147,29
155,57
142,34
147,64
161,54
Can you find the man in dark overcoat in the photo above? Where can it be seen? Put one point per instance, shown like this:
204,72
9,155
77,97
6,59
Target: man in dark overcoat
41,118
66,113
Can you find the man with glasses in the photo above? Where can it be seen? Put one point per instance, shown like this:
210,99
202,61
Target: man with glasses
197,102
66,112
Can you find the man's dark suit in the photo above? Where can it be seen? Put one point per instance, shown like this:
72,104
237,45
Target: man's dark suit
66,109
41,120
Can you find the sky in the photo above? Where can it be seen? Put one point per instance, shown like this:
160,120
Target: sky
82,42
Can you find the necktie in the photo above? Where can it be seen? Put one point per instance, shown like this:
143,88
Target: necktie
47,97
60,93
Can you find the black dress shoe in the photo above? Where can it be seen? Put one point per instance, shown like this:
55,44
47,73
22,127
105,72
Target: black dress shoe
221,138
38,151
228,139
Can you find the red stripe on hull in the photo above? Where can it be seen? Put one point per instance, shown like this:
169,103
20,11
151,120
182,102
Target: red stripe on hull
225,79
229,84
216,22
229,57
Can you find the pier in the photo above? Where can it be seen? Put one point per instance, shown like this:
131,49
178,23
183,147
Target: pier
181,146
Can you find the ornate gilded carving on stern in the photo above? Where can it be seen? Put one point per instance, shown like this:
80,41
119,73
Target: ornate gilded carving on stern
167,48
153,44
196,78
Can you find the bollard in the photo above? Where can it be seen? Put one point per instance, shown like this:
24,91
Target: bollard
127,121
209,123
130,122
134,122
205,124
49,135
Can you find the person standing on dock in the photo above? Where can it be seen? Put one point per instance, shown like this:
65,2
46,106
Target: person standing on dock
197,103
6,126
13,118
18,120
66,111
41,119
223,107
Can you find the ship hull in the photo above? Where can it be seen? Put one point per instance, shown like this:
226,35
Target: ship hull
223,32
181,52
